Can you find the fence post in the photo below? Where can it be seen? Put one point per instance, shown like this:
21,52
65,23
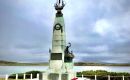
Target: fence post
24,76
95,77
6,77
123,78
31,77
16,77
38,76
82,76
60,76
109,78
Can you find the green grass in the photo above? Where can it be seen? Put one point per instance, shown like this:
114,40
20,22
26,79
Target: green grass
103,75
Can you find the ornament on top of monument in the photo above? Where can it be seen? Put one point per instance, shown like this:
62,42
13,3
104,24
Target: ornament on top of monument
58,27
59,5
68,55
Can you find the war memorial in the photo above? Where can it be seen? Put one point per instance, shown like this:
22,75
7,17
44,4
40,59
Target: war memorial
61,58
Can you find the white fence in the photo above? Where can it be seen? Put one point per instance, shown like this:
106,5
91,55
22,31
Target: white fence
82,78
108,77
24,77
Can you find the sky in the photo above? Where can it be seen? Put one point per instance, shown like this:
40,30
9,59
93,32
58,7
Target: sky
98,30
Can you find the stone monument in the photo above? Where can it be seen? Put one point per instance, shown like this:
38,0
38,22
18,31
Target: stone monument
61,58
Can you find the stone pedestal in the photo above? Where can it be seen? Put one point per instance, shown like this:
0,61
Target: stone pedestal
58,76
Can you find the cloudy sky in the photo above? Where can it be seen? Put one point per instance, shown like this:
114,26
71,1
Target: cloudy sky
98,30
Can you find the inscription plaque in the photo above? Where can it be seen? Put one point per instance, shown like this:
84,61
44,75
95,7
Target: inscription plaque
56,56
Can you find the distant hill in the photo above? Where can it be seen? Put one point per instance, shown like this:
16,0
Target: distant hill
100,64
9,63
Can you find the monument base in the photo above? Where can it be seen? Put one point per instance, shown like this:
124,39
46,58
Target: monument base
58,76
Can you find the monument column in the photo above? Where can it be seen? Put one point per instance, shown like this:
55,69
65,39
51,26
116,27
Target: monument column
61,59
58,40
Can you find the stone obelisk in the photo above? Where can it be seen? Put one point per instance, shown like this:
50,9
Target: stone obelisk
58,40
61,59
